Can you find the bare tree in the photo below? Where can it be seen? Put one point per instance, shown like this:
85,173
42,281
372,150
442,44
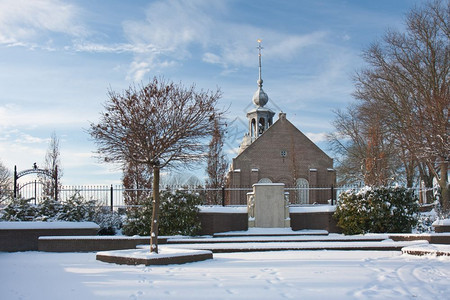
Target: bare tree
156,125
217,163
5,182
408,81
363,149
52,163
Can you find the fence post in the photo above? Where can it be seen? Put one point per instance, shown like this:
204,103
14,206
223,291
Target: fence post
15,182
223,195
35,192
332,195
112,198
56,183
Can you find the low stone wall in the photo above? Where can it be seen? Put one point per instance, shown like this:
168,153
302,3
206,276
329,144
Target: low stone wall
93,243
23,236
441,228
215,221
315,221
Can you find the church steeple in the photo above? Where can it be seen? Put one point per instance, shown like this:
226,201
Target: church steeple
259,118
260,98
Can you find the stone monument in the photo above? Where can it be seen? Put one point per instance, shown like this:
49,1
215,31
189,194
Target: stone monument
268,206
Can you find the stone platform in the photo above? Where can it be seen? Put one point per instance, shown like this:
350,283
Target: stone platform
166,256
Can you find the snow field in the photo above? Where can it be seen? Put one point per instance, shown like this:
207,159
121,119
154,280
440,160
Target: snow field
253,275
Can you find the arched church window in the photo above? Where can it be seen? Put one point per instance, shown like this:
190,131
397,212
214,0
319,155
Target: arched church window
265,180
303,191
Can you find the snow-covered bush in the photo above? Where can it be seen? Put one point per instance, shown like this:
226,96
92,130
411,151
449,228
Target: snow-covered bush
425,222
19,209
75,209
377,210
109,221
48,210
138,218
178,215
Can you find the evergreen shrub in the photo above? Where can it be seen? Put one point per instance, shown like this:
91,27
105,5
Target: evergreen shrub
178,215
19,209
377,210
75,209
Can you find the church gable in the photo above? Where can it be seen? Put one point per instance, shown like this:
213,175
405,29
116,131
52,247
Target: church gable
283,136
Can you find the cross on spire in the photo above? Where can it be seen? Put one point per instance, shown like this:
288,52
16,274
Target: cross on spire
260,81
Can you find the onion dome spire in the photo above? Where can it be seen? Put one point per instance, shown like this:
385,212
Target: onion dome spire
260,98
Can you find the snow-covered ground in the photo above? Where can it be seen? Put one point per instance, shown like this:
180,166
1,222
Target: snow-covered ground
253,275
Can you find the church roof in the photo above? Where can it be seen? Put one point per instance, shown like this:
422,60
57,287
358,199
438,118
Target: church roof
281,124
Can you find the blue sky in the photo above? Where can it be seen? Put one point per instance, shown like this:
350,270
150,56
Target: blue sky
59,58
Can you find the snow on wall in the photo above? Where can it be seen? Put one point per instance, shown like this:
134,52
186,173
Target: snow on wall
444,222
48,225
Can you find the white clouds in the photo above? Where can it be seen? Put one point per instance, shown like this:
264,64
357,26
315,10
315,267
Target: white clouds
17,116
317,137
25,138
22,22
212,58
169,29
287,46
172,24
173,28
171,33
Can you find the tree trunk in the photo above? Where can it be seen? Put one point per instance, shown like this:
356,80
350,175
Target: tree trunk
443,184
155,213
427,178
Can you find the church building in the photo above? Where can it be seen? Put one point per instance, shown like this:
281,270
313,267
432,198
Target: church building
278,152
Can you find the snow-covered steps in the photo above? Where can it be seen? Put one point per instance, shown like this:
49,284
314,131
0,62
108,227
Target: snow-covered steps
252,232
386,245
432,238
278,239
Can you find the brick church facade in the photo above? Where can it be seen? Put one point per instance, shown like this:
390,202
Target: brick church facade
279,153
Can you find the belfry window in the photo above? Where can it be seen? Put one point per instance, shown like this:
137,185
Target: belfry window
261,125
253,128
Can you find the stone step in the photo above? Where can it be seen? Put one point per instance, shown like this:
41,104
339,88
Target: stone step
255,232
275,239
304,246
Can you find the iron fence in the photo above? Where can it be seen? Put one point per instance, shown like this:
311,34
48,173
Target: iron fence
116,196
